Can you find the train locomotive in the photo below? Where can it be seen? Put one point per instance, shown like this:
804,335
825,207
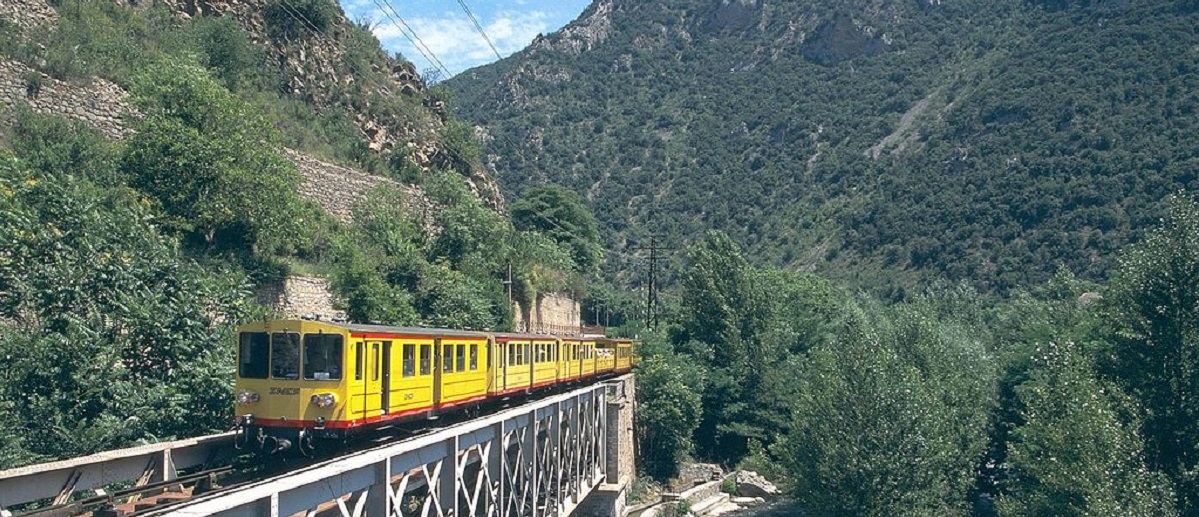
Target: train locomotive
301,381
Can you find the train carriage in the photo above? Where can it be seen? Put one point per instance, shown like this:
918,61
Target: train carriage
515,362
545,361
299,380
570,366
618,352
587,358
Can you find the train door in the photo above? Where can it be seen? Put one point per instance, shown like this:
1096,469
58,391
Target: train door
500,362
372,379
437,373
385,387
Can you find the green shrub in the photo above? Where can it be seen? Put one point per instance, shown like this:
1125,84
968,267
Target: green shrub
291,19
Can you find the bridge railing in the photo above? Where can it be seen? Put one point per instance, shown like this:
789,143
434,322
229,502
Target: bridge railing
539,459
147,463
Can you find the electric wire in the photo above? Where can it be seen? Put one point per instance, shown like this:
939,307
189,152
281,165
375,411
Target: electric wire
414,39
479,27
299,16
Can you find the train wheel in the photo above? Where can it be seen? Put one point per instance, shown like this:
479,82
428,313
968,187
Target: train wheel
306,443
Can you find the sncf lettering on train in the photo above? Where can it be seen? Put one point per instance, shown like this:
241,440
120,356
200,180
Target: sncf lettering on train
285,391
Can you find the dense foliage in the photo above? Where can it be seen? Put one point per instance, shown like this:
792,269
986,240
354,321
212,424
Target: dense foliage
124,265
1058,400
882,143
108,333
93,38
211,163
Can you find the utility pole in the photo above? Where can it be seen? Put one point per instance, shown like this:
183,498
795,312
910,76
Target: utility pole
508,283
650,320
651,296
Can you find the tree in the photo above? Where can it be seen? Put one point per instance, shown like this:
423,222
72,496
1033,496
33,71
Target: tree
109,335
744,324
1153,307
211,163
890,416
1078,451
668,412
559,213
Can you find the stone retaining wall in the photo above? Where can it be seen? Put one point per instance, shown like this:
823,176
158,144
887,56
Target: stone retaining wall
301,297
27,14
552,313
337,189
99,103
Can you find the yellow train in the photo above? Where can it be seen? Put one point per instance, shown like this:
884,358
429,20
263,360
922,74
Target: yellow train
300,380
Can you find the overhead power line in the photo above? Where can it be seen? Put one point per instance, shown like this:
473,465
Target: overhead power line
479,28
414,39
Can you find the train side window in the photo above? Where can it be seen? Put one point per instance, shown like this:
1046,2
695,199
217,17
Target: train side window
359,356
253,355
528,353
447,358
426,358
461,357
511,354
285,355
409,360
377,359
322,357
474,358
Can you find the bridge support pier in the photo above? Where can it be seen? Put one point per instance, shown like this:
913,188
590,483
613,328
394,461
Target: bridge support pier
609,498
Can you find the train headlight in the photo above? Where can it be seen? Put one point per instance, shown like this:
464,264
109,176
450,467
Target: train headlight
324,400
247,397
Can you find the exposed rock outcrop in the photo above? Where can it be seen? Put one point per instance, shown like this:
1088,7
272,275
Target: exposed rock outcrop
751,484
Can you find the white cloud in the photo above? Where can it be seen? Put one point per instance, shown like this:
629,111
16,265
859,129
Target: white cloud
453,38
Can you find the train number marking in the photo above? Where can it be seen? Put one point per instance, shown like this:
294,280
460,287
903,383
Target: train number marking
285,391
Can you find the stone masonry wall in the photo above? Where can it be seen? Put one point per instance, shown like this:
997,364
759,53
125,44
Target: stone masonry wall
301,297
337,189
27,14
552,313
610,498
99,104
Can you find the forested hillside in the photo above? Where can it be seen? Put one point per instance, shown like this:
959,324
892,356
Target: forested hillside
882,142
149,186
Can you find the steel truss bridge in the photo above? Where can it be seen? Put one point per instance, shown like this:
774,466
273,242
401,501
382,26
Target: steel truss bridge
561,455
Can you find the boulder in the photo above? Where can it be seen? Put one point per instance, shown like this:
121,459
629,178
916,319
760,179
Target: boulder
750,484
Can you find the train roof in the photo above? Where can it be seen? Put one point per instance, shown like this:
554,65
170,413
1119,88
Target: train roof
427,331
527,335
361,327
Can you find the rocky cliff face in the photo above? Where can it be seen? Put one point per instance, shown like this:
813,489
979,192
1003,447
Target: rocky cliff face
327,61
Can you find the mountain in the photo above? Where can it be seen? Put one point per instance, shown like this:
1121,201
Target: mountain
888,143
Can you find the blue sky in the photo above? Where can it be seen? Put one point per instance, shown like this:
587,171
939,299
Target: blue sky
447,32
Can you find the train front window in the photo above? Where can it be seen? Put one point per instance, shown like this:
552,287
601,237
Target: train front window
322,357
285,355
253,355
